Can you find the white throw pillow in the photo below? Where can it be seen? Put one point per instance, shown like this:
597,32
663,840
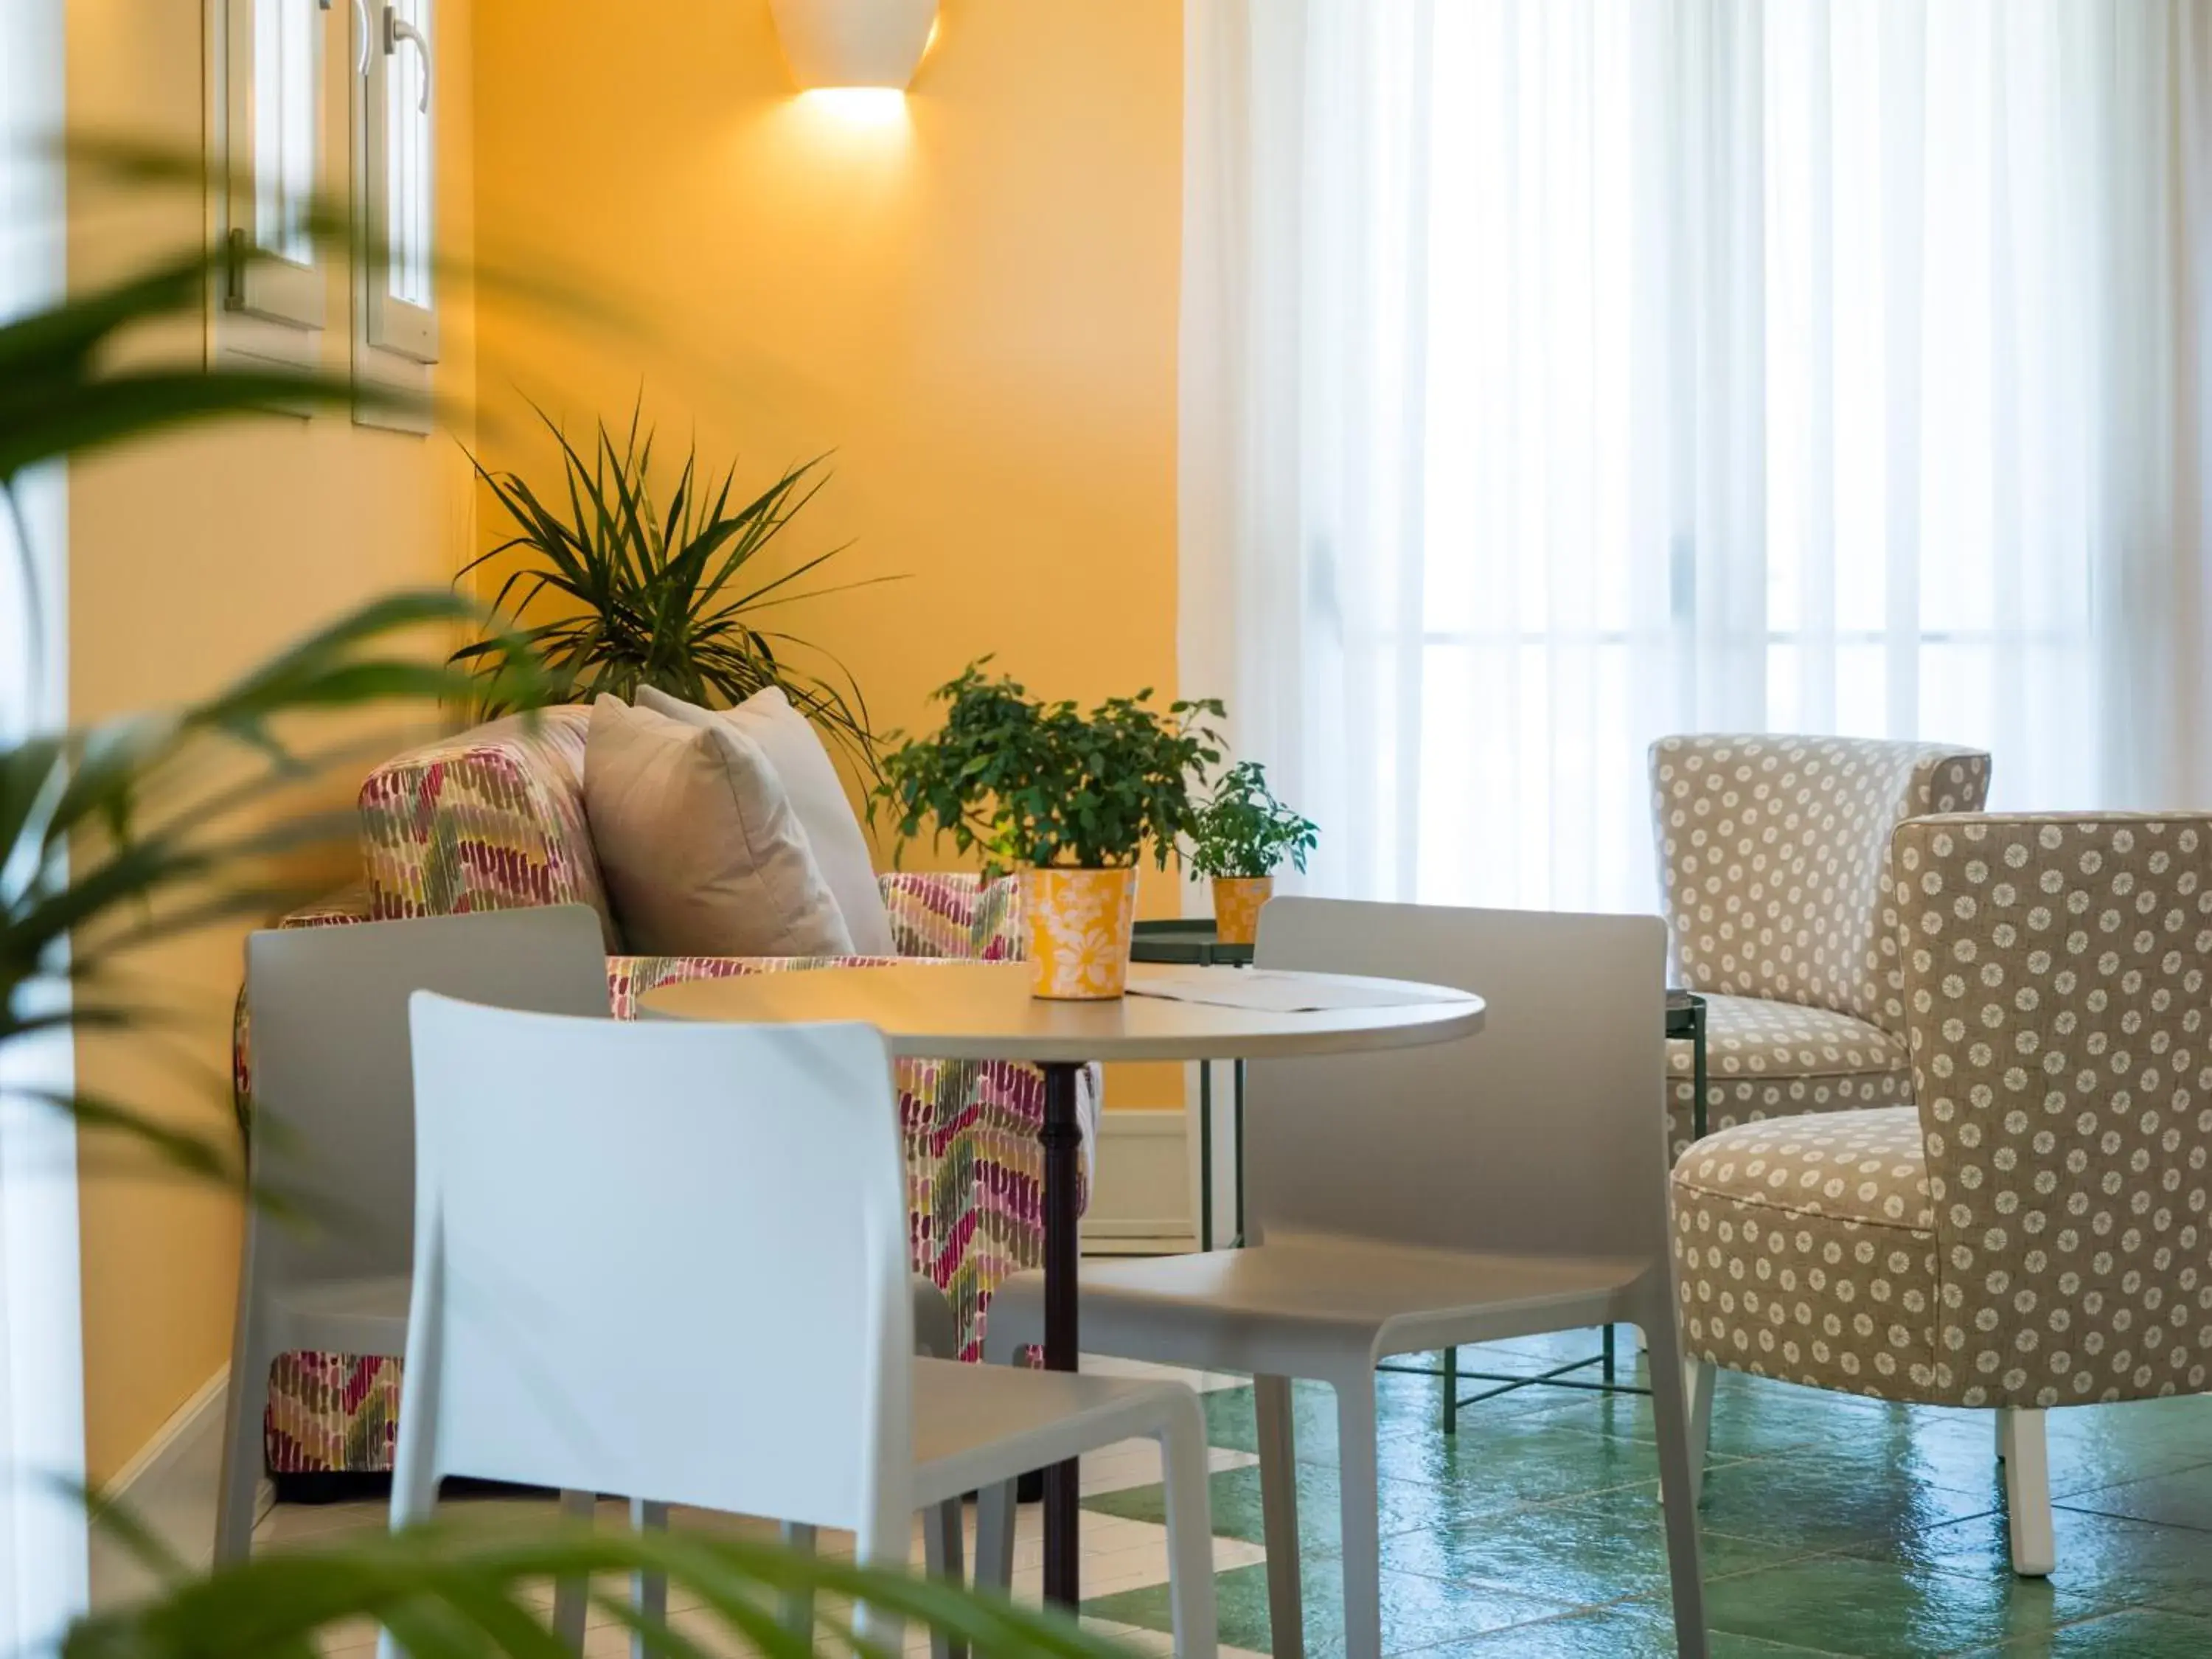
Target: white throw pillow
795,749
701,852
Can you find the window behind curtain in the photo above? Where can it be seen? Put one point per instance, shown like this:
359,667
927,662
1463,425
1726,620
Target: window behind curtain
1669,366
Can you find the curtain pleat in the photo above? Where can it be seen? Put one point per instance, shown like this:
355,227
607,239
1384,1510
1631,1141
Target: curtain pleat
1557,373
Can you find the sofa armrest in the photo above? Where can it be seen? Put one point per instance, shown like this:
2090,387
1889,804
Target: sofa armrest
954,915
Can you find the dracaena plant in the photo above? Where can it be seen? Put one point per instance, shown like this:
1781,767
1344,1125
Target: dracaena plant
1243,830
116,835
661,578
1038,783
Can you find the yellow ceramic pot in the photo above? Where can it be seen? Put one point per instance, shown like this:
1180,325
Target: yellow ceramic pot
1079,922
1237,901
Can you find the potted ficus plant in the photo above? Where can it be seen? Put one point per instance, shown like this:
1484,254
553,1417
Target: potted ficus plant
1072,799
1242,836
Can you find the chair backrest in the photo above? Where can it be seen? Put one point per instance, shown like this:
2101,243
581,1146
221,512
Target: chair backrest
664,1259
489,819
1543,1134
2057,1000
1774,860
333,1115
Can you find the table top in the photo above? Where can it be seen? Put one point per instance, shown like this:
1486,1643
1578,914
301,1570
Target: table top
984,1010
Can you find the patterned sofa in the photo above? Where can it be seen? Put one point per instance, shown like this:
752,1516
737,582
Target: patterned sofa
493,818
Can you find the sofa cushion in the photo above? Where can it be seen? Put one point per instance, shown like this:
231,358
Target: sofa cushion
787,738
700,849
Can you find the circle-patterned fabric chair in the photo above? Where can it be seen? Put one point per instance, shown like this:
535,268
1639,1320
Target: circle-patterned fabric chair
2035,1232
1774,863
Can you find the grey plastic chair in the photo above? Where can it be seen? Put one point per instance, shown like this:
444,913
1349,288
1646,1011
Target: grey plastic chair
333,1132
756,1183
1511,1184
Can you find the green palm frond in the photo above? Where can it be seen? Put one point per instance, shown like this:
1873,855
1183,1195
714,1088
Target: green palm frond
62,393
447,1594
666,591
118,834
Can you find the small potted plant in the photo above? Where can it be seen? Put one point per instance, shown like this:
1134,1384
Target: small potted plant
1243,834
1071,798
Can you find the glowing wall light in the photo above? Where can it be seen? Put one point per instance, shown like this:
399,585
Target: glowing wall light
854,43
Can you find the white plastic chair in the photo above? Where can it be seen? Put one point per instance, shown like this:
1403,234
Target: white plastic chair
1511,1184
333,1133
608,1218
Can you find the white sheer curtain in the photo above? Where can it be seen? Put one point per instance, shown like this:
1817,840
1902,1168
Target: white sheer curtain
42,1536
1561,373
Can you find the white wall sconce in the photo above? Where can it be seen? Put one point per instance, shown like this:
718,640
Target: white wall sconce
853,43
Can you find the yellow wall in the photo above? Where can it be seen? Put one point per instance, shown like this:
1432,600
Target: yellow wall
973,302
973,305
190,560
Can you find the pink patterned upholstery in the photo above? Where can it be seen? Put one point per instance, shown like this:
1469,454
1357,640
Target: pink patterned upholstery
494,820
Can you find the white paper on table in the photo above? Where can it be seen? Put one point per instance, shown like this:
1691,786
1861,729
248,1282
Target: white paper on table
1271,991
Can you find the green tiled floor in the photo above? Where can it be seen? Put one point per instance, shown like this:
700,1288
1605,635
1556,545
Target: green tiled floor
1832,1525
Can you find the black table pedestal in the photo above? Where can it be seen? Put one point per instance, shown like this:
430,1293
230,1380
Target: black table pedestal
1063,1144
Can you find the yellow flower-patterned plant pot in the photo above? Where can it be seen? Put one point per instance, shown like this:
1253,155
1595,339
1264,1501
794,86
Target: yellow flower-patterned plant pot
1237,901
1079,922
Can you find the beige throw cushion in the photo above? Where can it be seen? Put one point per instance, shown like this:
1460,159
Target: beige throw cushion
787,738
701,853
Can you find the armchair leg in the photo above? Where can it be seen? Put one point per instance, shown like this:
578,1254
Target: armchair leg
2027,1492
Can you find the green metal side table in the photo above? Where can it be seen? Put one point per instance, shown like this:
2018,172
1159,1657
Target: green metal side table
1191,941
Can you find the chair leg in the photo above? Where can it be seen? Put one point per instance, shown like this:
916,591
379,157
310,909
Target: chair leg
994,1537
1681,1452
571,1595
881,1540
941,1554
1360,1503
1190,1530
2003,1421
799,1606
1698,1413
648,1591
1279,1513
246,1398
2027,1495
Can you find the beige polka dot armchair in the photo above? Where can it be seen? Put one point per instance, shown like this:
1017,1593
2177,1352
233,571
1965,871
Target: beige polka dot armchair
2034,1233
1773,859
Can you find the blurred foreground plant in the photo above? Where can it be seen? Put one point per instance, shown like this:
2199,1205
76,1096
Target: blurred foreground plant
120,834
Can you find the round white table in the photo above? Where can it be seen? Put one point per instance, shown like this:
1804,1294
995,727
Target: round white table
984,1010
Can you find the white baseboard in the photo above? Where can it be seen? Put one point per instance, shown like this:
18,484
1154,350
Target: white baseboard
1141,1203
169,1489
